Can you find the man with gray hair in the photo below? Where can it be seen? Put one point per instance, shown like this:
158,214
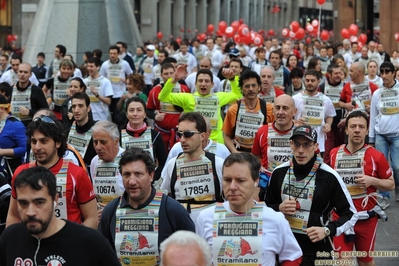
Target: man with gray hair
107,181
195,249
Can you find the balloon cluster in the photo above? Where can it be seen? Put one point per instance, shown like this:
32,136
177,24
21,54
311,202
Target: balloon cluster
351,34
241,33
12,38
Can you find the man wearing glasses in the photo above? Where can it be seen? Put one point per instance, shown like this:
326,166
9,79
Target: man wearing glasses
194,177
384,124
306,190
76,195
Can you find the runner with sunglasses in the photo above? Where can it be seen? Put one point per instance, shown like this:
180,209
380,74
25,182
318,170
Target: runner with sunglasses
76,202
306,190
384,124
194,177
203,101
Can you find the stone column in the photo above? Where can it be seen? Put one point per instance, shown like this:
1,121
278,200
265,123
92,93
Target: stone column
177,18
165,18
244,10
149,19
345,17
201,17
214,12
190,18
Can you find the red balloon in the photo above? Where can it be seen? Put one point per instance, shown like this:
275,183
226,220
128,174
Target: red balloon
159,35
362,38
309,27
246,39
321,2
211,27
229,32
315,23
243,30
219,33
9,38
201,37
271,32
324,35
181,29
300,34
235,25
353,39
308,40
222,26
258,40
397,36
345,33
241,21
294,26
178,40
189,31
285,32
353,29
291,34
237,38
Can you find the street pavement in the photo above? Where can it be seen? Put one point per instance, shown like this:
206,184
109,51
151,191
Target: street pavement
388,235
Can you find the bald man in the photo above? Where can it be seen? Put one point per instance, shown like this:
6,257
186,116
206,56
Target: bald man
356,95
205,63
272,141
26,98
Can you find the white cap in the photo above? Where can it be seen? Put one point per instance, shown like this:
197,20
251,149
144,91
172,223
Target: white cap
150,47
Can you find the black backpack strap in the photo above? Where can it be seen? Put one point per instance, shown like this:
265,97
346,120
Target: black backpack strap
218,194
173,179
234,128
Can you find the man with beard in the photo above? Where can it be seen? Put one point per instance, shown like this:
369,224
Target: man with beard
332,89
42,237
244,118
314,108
76,200
141,216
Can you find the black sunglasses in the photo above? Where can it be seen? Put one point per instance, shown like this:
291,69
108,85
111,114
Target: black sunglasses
187,134
385,71
45,119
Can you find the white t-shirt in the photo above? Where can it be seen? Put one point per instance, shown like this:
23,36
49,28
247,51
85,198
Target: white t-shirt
329,111
8,77
99,109
221,150
118,87
277,237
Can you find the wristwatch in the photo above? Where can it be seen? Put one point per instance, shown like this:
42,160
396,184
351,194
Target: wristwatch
327,231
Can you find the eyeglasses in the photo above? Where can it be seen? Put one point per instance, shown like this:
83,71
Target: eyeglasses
45,119
385,71
304,145
187,134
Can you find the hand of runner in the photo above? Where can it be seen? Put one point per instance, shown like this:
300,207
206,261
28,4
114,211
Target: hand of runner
288,206
315,233
181,73
228,73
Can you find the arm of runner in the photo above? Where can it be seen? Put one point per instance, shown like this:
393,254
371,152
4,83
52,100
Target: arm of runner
228,141
89,213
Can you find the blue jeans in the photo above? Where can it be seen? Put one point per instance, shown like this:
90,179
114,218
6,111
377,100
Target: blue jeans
389,145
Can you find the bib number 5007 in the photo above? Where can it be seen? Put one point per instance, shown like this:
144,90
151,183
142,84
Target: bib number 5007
197,190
